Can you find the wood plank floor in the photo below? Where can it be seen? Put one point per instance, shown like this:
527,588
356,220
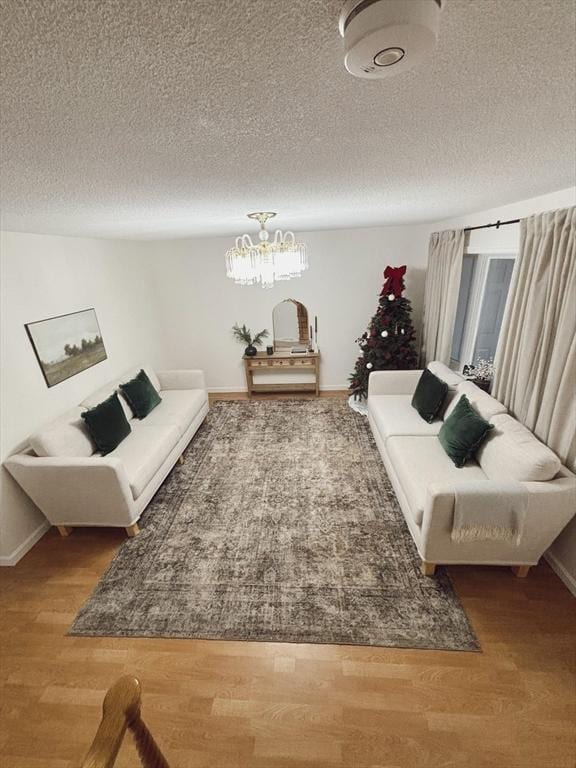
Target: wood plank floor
272,705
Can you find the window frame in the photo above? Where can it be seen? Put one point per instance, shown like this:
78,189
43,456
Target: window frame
475,300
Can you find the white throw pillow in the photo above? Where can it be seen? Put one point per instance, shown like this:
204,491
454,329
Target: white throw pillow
486,405
65,436
512,452
441,371
452,378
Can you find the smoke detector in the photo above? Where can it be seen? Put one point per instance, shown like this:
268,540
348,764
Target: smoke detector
385,37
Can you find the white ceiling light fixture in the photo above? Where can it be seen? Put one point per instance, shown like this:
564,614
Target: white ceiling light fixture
266,261
385,37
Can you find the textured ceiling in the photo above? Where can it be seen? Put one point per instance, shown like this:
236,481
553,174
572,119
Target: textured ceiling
162,118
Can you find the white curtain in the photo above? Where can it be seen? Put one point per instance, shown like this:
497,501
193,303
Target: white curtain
535,363
445,255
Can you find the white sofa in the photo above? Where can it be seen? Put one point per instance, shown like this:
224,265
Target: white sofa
424,477
73,486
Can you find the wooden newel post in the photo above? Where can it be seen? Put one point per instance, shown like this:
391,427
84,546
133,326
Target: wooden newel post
121,710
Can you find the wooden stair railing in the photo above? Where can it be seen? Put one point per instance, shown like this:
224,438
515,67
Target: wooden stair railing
121,711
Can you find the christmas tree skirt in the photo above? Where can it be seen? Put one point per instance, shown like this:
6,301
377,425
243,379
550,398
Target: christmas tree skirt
281,525
358,404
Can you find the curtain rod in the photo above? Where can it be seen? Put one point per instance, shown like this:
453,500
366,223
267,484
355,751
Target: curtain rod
498,224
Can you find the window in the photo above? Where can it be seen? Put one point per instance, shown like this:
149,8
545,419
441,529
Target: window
484,287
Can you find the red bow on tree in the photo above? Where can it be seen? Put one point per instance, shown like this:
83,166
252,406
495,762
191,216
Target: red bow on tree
393,280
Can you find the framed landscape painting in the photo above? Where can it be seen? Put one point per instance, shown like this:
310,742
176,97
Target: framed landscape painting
67,344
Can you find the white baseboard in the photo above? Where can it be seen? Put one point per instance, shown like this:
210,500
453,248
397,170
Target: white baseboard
561,571
26,545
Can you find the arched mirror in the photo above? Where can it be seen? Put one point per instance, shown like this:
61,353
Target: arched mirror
290,325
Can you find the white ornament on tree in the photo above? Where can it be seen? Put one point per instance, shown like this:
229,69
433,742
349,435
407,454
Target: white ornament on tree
384,334
402,330
369,366
391,297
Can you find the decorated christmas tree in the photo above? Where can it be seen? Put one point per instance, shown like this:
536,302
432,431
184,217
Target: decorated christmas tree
389,342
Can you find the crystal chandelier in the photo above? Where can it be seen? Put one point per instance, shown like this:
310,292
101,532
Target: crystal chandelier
268,260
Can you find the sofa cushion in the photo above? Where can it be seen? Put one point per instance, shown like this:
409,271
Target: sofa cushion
428,398
486,405
512,452
65,436
114,386
143,452
394,415
179,407
149,371
141,395
420,461
452,378
103,394
107,424
463,432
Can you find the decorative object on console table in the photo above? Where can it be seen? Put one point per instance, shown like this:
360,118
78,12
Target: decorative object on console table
290,325
283,363
67,344
481,374
244,335
269,350
389,342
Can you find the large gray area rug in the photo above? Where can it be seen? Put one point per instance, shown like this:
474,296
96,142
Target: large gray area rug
281,525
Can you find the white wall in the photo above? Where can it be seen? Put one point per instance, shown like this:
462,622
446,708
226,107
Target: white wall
199,304
42,276
562,554
505,239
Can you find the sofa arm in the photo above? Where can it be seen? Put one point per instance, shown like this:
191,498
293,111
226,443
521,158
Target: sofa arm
76,490
550,509
184,379
393,382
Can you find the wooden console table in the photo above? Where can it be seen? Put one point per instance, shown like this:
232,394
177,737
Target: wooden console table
282,362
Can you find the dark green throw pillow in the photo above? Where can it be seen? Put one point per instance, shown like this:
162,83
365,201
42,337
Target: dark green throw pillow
429,396
463,432
141,395
107,424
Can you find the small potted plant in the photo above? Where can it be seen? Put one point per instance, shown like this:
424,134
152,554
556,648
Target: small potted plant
244,336
481,374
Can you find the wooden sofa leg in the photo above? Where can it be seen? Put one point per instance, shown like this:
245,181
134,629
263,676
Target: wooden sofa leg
132,530
428,569
181,459
520,571
64,530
